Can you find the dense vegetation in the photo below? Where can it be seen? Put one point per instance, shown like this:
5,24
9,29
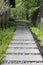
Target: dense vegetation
38,33
25,11
5,39
6,29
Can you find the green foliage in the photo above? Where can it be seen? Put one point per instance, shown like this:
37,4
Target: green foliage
33,2
33,10
41,26
2,3
32,7
5,39
26,21
25,6
38,33
18,3
30,2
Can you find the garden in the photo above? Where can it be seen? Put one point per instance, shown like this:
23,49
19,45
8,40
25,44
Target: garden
25,11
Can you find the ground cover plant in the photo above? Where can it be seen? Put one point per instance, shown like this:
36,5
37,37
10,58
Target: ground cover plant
5,39
38,33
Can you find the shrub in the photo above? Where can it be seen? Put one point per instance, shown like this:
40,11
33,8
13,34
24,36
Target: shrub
5,39
38,33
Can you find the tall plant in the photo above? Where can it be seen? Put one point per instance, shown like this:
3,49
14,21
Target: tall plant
33,9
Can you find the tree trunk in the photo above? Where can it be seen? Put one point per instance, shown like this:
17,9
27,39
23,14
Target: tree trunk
27,18
3,22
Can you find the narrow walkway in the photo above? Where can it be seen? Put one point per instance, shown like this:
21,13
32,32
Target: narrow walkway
23,49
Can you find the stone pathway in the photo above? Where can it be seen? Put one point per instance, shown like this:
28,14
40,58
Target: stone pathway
23,49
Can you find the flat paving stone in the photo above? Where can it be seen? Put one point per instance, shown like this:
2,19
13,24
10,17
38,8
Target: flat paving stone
22,41
24,45
22,51
29,45
25,64
24,57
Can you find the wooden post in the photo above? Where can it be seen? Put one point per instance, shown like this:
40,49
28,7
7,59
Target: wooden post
3,21
41,8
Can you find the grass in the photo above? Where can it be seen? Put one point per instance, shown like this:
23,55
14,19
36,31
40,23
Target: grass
5,39
26,21
38,33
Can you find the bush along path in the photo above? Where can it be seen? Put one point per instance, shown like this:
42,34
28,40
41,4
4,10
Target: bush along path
38,35
5,38
23,49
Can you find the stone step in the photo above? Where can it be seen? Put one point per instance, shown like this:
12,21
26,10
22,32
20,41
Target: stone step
23,48
21,45
23,57
24,64
23,38
24,33
22,53
21,62
21,32
22,41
